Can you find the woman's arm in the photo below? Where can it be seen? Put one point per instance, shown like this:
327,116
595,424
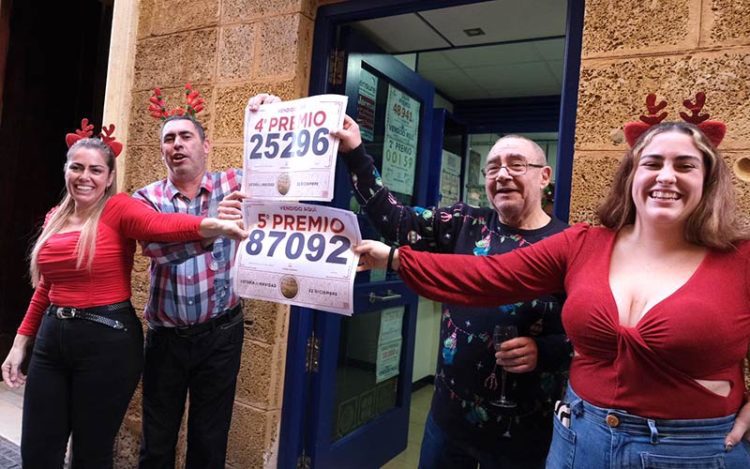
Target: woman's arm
38,304
522,274
741,428
139,221
11,367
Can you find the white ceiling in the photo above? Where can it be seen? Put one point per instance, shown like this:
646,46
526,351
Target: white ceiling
520,54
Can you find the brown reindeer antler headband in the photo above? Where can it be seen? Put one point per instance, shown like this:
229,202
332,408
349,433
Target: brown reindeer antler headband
193,104
714,130
87,131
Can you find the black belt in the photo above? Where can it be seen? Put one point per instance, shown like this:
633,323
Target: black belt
204,327
91,314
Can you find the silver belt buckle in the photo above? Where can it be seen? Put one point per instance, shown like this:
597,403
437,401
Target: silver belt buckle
62,313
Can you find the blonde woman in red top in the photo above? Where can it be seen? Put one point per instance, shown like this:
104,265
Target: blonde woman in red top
657,309
88,352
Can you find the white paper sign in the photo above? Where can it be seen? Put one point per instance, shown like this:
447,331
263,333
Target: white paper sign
289,154
389,344
298,254
400,141
366,98
450,179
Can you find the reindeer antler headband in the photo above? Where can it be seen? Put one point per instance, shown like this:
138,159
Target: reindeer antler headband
193,104
714,130
87,131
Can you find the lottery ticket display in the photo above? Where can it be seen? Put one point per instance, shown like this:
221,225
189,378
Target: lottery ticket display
289,154
298,254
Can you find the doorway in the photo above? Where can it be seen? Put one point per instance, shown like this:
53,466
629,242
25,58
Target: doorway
496,67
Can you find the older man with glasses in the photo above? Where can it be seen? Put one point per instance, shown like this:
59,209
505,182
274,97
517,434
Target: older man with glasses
468,423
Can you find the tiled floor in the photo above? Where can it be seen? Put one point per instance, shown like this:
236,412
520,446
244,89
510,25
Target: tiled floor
11,405
420,405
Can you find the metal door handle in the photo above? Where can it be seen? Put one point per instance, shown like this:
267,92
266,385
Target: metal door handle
389,295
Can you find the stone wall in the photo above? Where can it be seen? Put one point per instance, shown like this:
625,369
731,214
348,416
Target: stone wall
229,50
673,48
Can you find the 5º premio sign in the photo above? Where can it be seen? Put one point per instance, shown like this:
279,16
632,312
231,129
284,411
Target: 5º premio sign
289,153
298,254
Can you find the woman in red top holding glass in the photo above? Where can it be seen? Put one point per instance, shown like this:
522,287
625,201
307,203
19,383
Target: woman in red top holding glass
88,351
657,309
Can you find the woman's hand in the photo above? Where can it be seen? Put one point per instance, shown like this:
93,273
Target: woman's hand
11,367
349,135
374,255
740,428
213,227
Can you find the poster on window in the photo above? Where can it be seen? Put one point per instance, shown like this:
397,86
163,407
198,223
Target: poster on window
366,98
400,141
389,344
298,254
289,154
450,179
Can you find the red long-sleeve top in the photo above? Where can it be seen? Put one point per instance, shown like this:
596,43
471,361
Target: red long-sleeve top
701,331
123,221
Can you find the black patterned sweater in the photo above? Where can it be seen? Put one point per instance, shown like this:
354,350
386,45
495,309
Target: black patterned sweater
467,379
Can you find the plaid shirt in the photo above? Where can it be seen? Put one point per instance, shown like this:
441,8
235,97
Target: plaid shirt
190,284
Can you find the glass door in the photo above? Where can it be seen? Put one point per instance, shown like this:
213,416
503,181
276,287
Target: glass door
348,380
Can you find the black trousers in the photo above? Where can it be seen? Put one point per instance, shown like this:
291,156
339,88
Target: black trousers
205,365
80,381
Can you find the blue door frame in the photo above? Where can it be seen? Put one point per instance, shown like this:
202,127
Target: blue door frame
293,442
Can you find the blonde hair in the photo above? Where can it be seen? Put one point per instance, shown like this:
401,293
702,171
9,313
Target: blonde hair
714,223
86,246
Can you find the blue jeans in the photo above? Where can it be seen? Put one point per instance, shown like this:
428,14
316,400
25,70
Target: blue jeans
607,438
440,452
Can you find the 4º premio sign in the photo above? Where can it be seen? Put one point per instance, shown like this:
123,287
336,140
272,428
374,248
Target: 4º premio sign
289,154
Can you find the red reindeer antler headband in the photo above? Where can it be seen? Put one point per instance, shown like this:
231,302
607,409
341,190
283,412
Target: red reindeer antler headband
714,130
193,104
87,131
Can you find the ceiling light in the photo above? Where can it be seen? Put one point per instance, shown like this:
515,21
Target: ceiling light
472,32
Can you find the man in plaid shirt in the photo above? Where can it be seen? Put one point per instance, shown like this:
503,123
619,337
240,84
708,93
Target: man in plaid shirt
195,326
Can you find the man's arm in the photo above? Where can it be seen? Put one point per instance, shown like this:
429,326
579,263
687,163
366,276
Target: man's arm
425,229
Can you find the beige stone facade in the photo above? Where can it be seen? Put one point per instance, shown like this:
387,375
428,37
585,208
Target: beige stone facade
232,49
229,50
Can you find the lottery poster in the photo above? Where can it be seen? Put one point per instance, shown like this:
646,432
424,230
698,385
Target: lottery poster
400,141
289,154
450,179
298,254
366,99
389,344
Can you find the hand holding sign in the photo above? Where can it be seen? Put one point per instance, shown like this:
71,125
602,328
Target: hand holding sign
349,135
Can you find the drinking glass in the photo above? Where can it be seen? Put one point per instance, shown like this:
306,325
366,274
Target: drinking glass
500,335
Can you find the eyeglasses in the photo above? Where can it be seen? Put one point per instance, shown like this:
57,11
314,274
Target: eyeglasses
514,168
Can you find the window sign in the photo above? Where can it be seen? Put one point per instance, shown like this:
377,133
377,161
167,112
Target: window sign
366,98
400,141
450,179
389,344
